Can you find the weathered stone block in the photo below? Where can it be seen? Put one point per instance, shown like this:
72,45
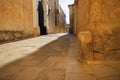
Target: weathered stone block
85,42
7,35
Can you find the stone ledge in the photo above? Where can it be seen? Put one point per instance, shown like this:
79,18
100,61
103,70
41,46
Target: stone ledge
11,35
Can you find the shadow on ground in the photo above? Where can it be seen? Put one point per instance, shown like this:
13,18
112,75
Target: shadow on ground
48,63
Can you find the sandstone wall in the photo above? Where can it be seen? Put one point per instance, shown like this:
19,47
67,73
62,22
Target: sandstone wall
61,28
71,10
16,19
101,18
56,22
51,17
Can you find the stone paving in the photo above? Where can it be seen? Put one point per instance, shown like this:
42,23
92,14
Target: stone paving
50,57
41,58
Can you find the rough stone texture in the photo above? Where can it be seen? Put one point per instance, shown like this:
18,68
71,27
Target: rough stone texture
11,35
102,18
16,15
85,40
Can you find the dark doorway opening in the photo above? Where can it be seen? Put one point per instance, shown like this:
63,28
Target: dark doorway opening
41,19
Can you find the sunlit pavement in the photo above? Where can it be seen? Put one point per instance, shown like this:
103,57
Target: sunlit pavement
50,57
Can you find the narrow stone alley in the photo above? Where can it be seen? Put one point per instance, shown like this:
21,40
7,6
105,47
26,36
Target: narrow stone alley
50,57
59,39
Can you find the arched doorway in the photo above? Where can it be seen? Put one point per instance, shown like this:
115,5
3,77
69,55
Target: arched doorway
41,18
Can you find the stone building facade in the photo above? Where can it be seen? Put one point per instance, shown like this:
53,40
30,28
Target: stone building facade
27,18
61,27
98,29
56,18
52,16
72,11
17,19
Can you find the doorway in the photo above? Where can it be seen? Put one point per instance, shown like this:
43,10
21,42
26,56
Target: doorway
41,18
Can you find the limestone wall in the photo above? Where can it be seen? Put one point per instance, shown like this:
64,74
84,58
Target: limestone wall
16,19
51,17
19,18
101,18
61,28
56,22
71,10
